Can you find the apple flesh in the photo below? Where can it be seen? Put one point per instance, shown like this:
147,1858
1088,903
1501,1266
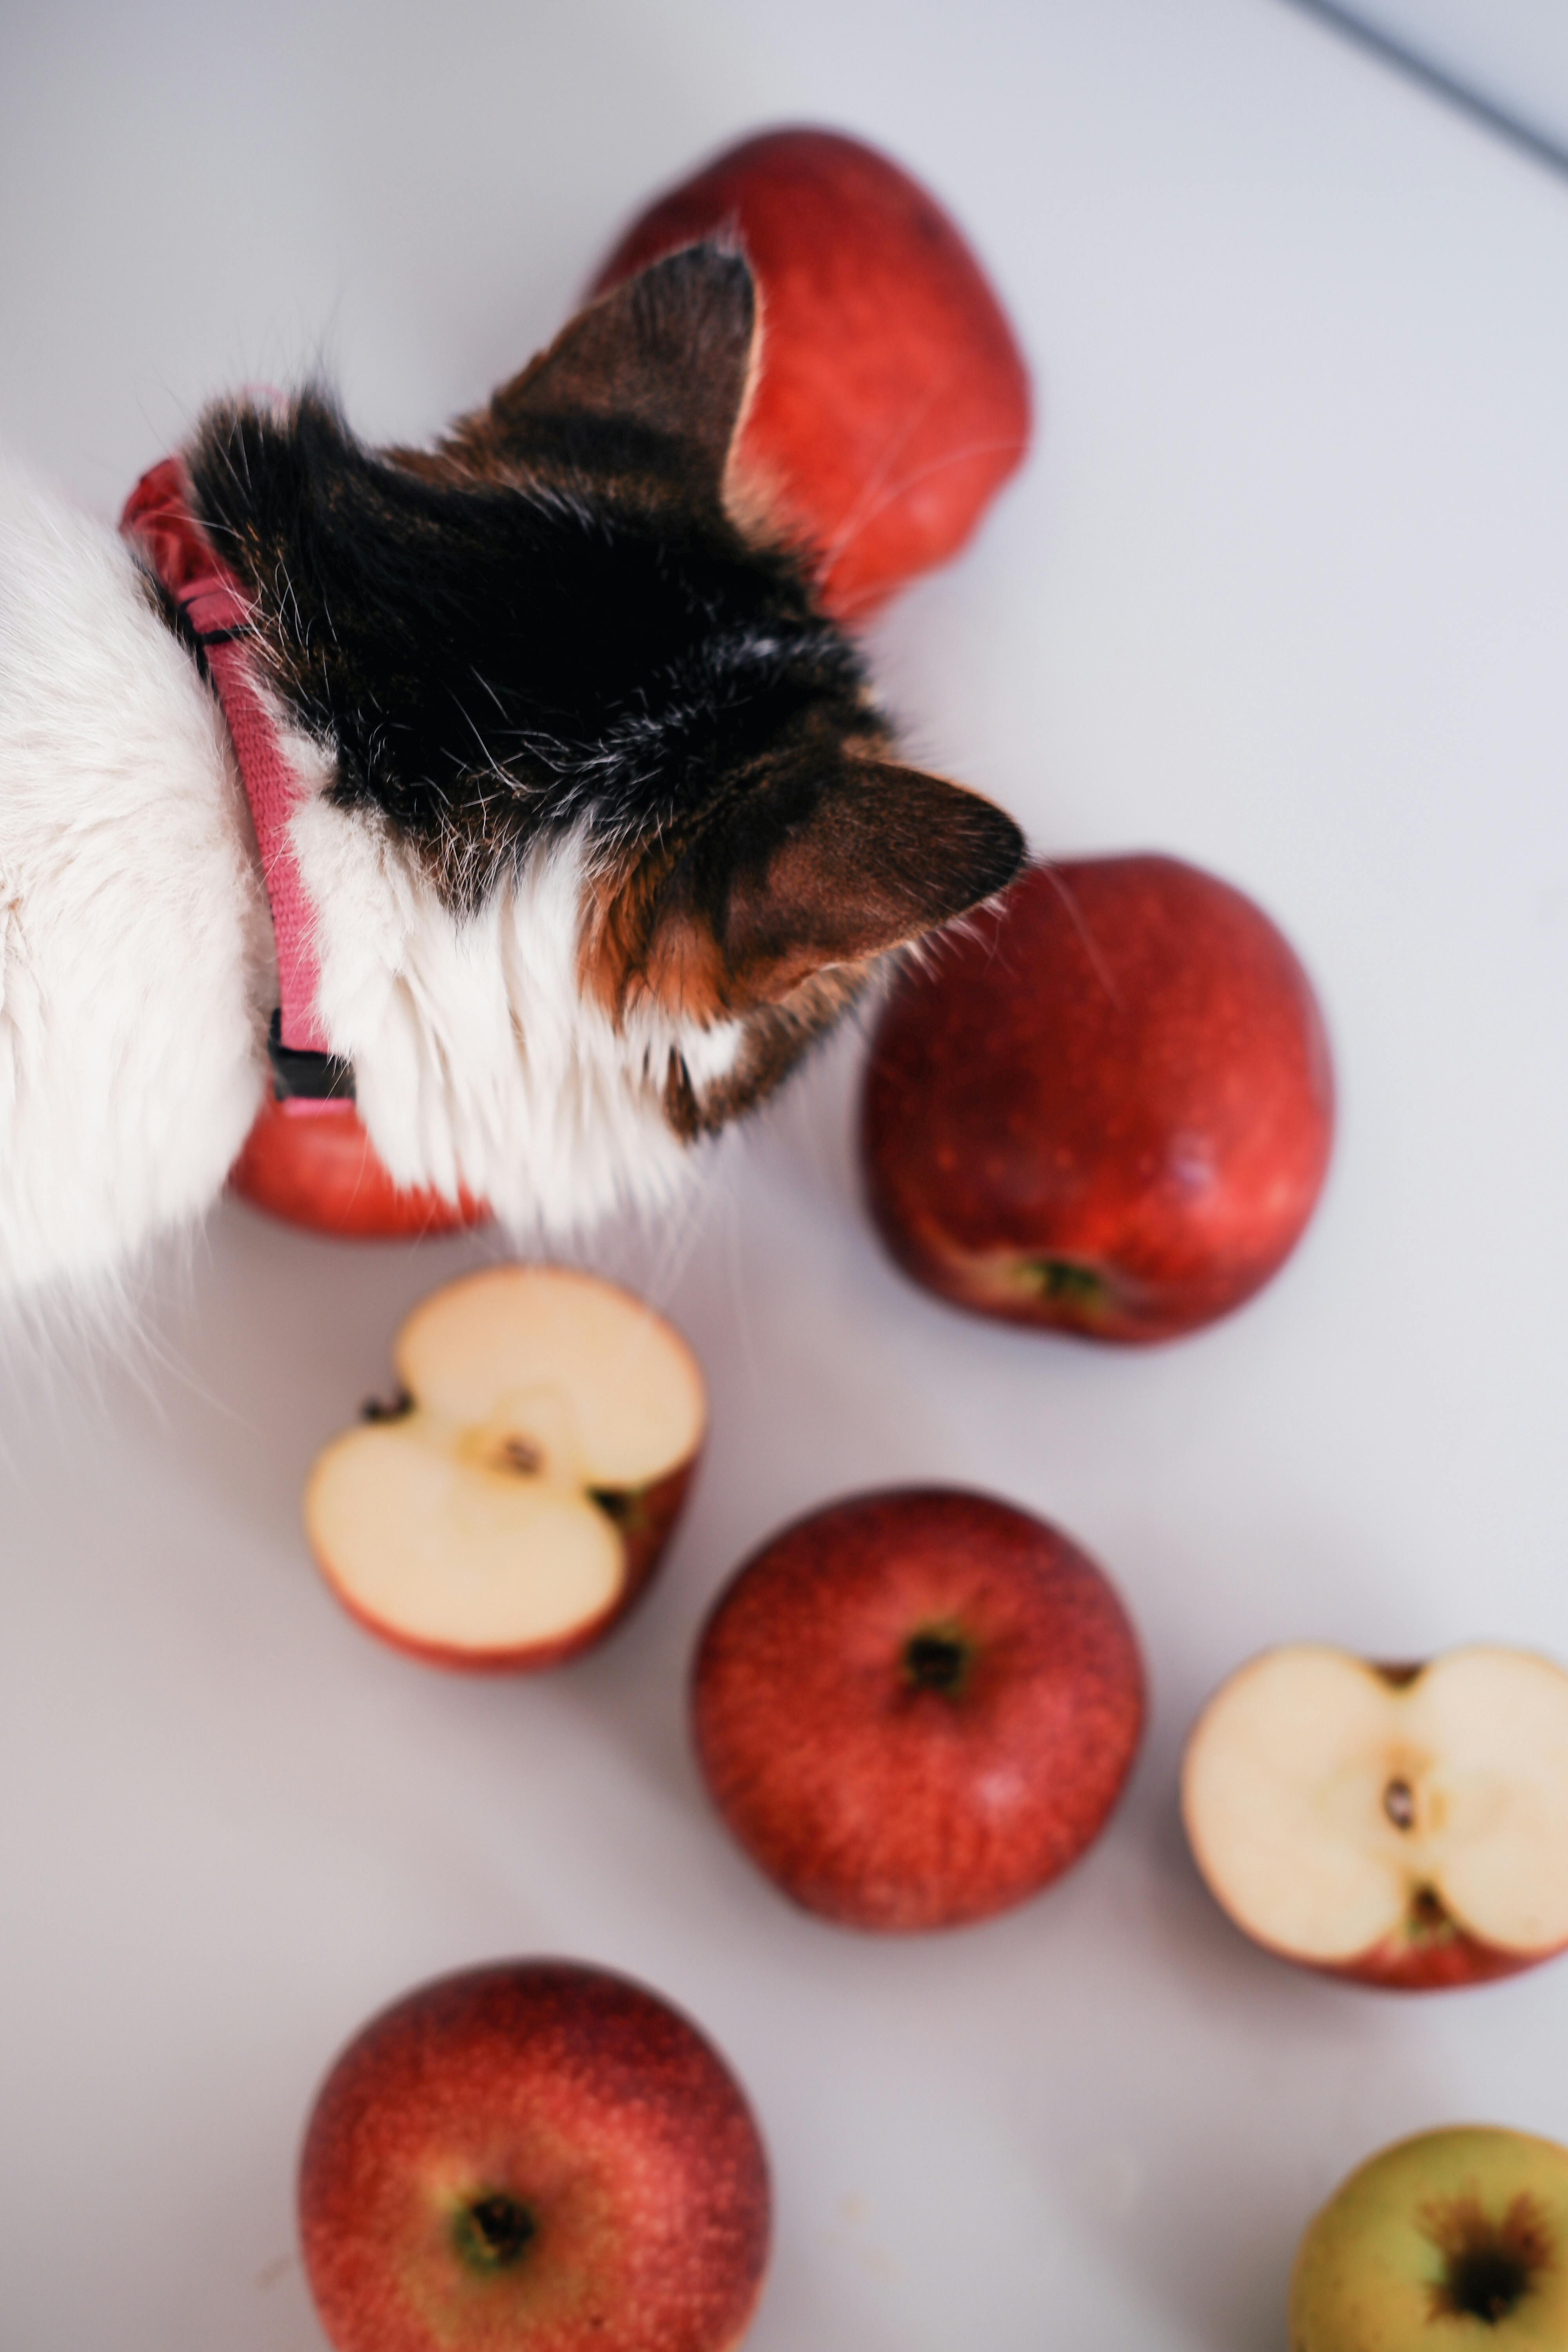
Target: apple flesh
891,400
1105,1106
317,1168
510,1504
1455,2237
1402,1826
536,2156
916,1708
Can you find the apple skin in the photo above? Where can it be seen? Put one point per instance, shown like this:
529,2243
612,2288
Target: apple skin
1438,1958
891,400
1444,1959
320,1170
561,2093
1436,2241
881,1801
646,1519
1105,1106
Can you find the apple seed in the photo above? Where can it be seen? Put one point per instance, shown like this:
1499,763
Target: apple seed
517,1453
1399,1804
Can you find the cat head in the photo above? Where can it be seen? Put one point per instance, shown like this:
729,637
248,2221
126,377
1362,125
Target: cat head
560,644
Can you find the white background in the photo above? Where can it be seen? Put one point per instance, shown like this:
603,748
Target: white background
1285,589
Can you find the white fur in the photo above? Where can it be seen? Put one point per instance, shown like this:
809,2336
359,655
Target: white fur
477,1059
134,949
135,956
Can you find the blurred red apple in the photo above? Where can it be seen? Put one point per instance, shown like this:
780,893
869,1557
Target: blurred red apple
916,1708
1105,1106
318,1168
512,1505
891,400
1402,1826
532,2157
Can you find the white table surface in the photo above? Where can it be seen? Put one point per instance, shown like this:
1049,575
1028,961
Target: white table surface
1284,590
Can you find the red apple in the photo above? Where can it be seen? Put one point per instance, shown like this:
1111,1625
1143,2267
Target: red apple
916,1708
532,2157
1403,1826
1456,2238
891,400
509,1506
1105,1106
318,1168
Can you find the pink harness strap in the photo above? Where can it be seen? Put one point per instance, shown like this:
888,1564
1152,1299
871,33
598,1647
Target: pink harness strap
158,516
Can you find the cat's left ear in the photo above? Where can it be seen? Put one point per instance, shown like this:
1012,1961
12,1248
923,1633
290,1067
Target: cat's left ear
814,876
670,351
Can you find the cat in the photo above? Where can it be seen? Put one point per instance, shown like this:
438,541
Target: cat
592,809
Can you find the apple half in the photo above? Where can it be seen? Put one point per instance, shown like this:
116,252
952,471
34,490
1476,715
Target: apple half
513,1502
1403,1826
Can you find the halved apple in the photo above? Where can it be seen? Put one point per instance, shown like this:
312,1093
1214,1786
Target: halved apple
511,1504
1404,1826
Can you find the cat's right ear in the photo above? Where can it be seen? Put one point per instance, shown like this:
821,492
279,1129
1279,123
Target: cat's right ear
669,353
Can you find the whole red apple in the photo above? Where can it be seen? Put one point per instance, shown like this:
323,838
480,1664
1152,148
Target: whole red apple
916,1708
1402,1826
1105,1106
318,1168
537,2157
891,400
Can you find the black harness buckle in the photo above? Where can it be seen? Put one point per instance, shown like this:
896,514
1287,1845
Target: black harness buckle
302,1074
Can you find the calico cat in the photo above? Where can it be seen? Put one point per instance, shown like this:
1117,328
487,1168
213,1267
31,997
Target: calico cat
595,815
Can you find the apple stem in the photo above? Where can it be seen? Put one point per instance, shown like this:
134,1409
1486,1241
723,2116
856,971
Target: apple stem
623,1505
396,1408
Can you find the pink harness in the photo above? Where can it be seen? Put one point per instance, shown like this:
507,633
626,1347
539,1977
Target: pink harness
158,518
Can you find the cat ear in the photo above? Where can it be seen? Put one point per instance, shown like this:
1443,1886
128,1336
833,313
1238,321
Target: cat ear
669,351
823,872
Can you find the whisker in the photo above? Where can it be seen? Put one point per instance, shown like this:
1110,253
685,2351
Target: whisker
842,544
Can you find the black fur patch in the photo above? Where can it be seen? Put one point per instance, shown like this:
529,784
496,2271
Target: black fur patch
490,661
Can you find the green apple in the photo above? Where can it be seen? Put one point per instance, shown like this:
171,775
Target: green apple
1454,2239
